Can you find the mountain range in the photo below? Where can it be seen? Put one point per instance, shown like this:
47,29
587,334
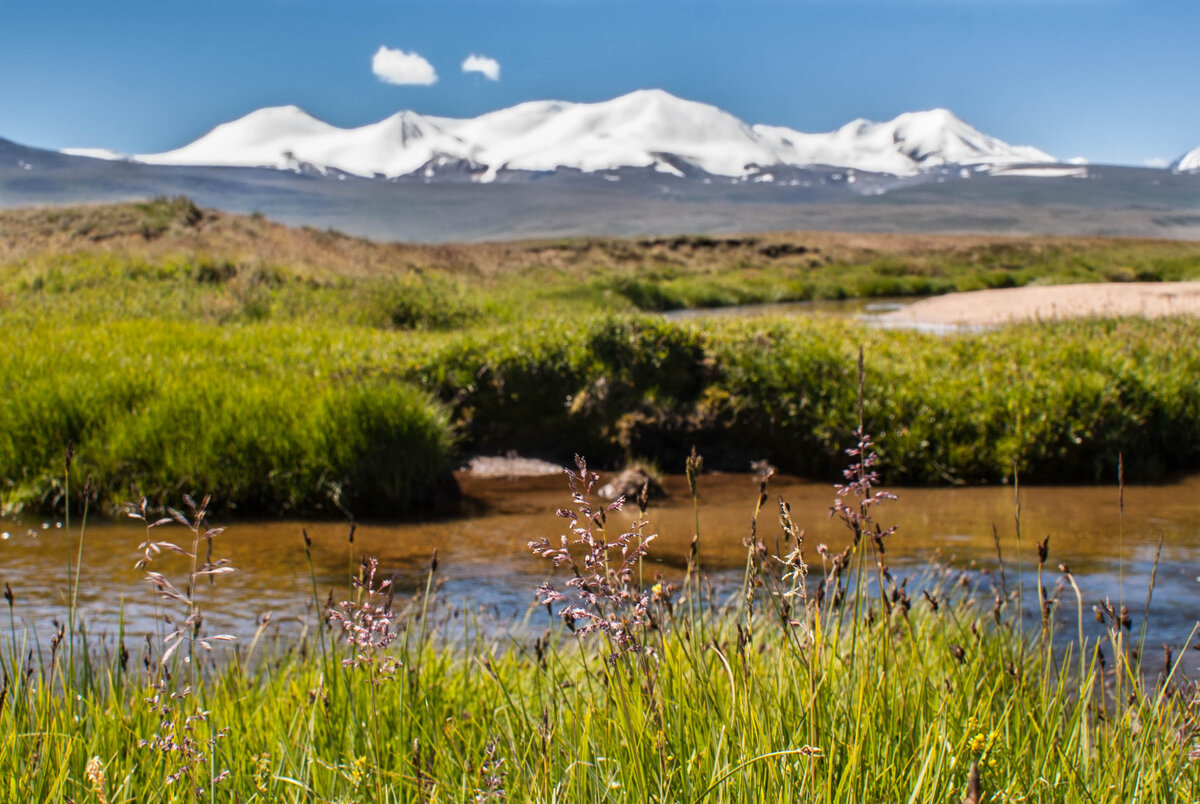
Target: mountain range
643,129
643,163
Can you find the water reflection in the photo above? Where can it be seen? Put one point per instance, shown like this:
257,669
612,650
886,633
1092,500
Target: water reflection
484,560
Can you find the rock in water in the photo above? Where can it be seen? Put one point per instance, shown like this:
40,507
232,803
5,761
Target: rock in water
629,485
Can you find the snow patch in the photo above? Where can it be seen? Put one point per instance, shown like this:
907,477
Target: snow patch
95,153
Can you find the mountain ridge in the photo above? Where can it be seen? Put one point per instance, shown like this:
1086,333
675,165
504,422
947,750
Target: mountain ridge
642,129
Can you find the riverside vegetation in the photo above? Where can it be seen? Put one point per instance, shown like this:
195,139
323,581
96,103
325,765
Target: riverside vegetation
823,678
304,371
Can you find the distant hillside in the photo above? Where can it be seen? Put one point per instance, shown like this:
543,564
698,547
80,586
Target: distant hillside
1109,201
168,228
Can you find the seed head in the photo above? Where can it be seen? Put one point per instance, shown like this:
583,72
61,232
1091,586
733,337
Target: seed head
95,776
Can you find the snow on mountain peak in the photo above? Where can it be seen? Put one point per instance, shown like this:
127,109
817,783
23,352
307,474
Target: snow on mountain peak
906,145
263,138
938,137
633,130
645,128
1188,162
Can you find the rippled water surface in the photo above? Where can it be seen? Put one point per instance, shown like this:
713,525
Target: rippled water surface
484,562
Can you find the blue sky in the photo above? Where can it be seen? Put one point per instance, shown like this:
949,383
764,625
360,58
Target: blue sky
1110,80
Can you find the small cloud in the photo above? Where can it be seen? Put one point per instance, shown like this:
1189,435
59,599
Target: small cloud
398,67
486,66
1156,162
1077,160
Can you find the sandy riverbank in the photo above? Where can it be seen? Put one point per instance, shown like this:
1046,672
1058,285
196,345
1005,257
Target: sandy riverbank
983,308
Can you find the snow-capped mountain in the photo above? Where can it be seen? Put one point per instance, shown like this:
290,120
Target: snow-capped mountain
913,142
644,129
1189,161
287,137
641,129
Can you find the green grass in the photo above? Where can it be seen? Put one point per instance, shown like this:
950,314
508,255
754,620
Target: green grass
168,259
185,349
950,409
778,693
200,285
290,418
267,419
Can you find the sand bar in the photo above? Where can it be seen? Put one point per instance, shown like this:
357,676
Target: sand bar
985,308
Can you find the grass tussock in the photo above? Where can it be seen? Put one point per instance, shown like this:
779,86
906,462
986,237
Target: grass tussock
822,678
266,422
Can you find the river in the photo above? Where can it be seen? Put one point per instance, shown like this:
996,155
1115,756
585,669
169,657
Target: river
484,563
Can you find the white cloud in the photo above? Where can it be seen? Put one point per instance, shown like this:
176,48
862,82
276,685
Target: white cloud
1156,162
484,65
1078,160
398,67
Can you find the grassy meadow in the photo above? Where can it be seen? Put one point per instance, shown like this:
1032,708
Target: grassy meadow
156,351
186,350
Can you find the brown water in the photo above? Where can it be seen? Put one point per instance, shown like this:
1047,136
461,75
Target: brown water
838,308
874,312
484,561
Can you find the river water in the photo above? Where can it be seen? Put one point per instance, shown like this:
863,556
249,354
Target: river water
873,312
485,565
838,308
